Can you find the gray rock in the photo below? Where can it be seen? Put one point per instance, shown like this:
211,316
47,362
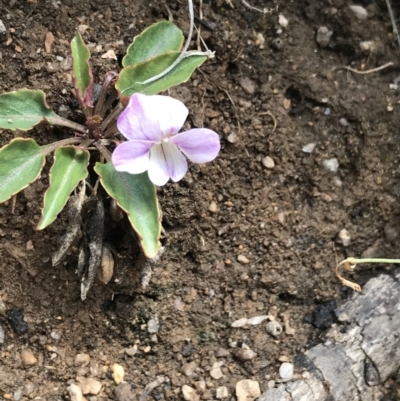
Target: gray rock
331,165
124,392
2,334
323,36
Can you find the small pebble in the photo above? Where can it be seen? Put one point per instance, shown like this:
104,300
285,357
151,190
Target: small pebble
344,122
274,328
187,349
55,335
153,326
189,393
243,259
239,323
28,359
188,369
283,21
286,371
2,334
245,354
16,320
268,162
360,12
75,392
3,308
344,237
89,385
221,392
131,351
257,319
82,359
222,353
232,138
309,148
323,36
247,390
213,207
118,373
247,85
331,165
18,394
216,372
3,29
7,396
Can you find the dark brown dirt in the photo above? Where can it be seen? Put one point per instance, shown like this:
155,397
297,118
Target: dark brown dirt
284,220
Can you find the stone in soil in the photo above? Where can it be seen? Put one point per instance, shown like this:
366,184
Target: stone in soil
89,385
188,369
216,372
124,392
189,393
221,392
28,359
82,360
118,373
286,371
75,392
16,320
247,390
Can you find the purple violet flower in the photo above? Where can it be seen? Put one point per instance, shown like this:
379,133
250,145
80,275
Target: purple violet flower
151,125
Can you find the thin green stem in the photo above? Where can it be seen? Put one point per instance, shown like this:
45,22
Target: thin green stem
355,261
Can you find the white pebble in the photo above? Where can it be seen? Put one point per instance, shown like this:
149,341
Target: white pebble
331,165
286,371
75,392
3,29
216,372
283,21
232,138
153,326
240,322
257,319
268,162
360,12
189,393
344,122
221,392
344,237
243,259
309,148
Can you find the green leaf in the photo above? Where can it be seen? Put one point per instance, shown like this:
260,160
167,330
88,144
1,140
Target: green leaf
23,109
161,37
82,72
130,77
69,168
136,195
21,162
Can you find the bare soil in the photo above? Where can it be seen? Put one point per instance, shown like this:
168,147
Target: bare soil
284,219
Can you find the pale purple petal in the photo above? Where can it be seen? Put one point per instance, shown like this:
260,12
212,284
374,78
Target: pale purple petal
166,162
200,145
151,117
132,156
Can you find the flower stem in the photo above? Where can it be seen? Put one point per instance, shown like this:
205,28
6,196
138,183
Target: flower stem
350,263
64,142
111,75
67,123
